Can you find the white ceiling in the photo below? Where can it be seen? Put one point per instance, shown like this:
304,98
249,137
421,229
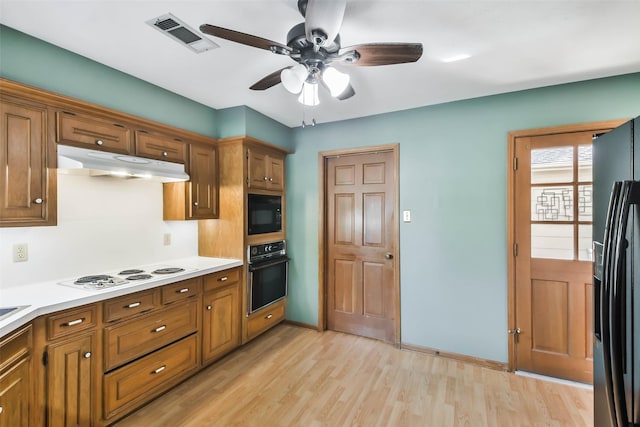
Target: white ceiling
513,45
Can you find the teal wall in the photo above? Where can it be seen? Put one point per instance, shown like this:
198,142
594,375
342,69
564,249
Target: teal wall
247,121
453,179
34,62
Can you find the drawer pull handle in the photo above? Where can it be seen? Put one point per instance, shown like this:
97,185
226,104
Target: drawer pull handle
160,328
99,142
160,369
73,322
223,279
209,307
182,291
268,316
133,305
87,355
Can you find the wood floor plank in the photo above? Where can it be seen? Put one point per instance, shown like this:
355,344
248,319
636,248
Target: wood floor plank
293,376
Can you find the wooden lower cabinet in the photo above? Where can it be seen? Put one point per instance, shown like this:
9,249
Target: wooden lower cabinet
136,383
70,387
265,318
15,395
15,379
221,322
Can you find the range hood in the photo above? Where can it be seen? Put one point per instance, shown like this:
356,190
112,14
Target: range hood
74,160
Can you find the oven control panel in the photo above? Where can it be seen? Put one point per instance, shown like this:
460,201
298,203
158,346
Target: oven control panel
265,251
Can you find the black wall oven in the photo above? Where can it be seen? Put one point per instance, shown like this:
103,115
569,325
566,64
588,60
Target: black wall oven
264,214
267,276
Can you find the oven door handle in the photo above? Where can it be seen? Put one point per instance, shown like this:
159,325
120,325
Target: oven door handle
265,264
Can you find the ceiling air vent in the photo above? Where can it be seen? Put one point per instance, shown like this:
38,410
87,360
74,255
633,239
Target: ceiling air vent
181,32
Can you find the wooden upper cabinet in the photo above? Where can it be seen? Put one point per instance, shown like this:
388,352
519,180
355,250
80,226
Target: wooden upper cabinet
160,147
265,170
204,181
198,197
90,132
27,184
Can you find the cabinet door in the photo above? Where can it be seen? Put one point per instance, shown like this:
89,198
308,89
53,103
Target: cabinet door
69,387
92,133
24,181
160,147
257,169
275,173
221,322
14,395
203,201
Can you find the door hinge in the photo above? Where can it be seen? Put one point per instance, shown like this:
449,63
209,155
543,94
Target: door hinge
515,163
515,249
45,358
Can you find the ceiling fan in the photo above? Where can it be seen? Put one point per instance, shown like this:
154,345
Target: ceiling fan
315,46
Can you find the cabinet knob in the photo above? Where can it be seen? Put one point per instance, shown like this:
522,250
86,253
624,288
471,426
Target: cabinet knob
265,178
195,203
165,154
270,179
1,409
38,201
87,355
209,307
99,142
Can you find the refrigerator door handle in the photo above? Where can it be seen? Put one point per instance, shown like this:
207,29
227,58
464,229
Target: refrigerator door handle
618,301
610,231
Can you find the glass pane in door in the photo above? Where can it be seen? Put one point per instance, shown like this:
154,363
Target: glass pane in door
552,241
585,161
585,250
585,202
552,203
549,165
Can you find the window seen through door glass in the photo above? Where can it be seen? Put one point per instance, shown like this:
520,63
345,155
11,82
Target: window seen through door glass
561,202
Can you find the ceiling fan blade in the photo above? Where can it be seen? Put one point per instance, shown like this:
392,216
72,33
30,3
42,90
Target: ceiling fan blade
246,39
383,53
348,93
324,16
268,81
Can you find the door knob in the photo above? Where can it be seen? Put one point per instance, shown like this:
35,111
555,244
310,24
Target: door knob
388,255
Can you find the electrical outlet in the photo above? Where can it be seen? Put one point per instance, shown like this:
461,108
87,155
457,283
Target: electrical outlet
167,239
20,252
406,216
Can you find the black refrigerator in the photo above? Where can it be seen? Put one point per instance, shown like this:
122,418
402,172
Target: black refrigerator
616,298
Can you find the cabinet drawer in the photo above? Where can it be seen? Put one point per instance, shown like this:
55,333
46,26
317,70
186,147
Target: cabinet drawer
264,319
181,290
142,380
129,305
92,133
15,345
136,337
160,147
221,278
72,321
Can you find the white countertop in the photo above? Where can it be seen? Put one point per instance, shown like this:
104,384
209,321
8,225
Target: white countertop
48,297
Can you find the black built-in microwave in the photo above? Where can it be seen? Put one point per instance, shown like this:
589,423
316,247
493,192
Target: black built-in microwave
265,214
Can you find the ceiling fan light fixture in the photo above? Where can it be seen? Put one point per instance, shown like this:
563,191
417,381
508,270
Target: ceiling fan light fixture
309,94
293,78
336,81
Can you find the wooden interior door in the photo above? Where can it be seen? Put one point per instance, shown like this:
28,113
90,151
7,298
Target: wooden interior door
554,303
362,289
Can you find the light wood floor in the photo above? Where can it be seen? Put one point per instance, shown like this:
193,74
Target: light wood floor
298,377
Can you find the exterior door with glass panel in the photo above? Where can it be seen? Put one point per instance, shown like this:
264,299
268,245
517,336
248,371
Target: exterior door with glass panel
553,255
